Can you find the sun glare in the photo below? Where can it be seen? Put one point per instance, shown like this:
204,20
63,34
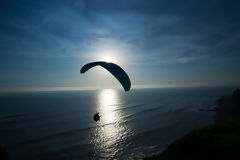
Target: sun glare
110,130
108,56
108,102
109,59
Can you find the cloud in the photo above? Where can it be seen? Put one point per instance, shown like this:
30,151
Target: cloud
190,59
148,28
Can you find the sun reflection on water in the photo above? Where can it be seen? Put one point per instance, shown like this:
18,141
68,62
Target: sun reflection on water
110,130
108,102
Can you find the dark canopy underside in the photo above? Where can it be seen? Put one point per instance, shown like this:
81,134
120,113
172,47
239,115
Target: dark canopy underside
116,71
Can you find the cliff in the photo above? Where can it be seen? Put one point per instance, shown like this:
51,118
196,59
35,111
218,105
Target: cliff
220,141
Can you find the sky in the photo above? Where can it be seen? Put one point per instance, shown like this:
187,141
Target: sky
43,44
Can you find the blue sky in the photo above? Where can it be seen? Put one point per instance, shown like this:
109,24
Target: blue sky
43,44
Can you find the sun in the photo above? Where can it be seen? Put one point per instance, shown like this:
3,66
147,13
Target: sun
108,56
108,59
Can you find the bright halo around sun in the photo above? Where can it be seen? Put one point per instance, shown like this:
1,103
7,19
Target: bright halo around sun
108,56
108,59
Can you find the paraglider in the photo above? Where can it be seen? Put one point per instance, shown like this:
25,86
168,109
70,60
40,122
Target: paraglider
96,117
114,69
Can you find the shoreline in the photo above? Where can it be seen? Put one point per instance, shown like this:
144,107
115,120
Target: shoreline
219,141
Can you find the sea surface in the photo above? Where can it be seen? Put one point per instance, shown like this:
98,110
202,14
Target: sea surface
59,124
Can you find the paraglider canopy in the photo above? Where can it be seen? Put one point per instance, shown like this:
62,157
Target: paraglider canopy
114,69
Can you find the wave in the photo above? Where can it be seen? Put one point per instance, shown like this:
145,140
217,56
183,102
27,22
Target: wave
12,116
55,136
70,152
143,111
68,133
129,107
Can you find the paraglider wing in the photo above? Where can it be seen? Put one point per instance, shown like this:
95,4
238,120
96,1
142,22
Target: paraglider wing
116,71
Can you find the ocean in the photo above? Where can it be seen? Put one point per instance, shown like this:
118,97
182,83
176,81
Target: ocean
59,124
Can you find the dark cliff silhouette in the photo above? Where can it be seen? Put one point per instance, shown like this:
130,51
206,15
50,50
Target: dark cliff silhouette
227,106
220,141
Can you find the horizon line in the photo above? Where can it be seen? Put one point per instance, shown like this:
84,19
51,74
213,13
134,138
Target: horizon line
49,89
